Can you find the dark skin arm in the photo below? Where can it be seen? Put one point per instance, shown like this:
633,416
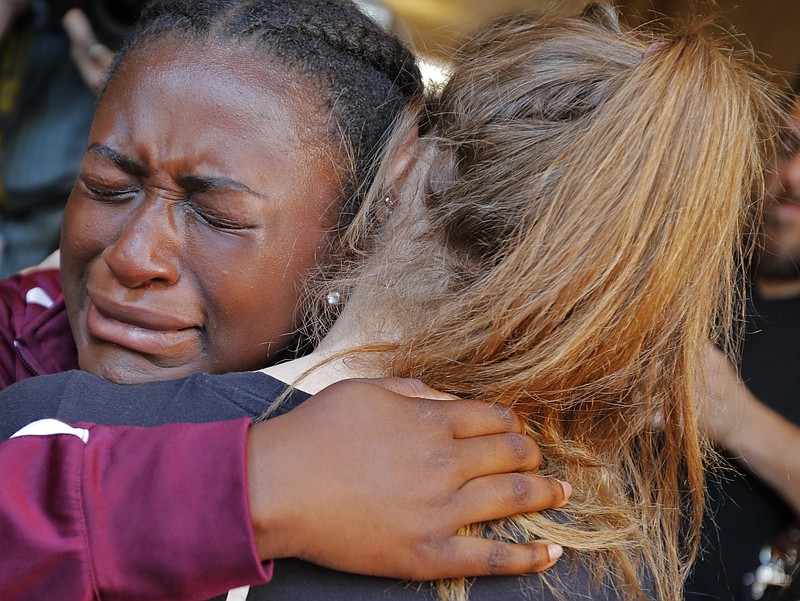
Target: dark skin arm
363,479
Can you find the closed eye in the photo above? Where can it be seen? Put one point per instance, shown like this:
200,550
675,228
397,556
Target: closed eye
215,221
111,193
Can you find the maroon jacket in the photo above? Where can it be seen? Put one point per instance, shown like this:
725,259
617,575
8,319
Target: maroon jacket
99,513
36,338
108,518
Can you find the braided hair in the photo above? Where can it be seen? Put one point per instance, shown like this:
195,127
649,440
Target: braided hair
361,74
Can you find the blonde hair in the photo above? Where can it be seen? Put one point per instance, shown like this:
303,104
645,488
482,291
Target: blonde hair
580,202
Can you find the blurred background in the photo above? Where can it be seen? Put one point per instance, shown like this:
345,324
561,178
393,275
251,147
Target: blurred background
436,26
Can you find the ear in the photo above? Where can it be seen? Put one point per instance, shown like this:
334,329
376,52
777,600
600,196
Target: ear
402,160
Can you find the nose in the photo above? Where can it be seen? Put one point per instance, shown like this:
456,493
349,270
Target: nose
790,176
146,251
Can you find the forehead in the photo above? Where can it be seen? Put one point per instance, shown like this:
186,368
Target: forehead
184,61
213,94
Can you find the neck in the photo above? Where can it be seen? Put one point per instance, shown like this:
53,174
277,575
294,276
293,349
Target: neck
330,362
770,289
364,319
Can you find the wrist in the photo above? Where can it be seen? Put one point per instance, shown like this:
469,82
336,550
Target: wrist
264,492
749,424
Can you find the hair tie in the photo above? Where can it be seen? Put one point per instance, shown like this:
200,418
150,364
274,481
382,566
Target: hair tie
651,50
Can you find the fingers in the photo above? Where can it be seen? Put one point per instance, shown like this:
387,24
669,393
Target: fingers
479,418
473,556
78,28
501,495
497,454
91,57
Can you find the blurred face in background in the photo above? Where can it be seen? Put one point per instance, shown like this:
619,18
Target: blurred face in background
780,256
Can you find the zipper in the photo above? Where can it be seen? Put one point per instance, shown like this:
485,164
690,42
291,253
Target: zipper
20,351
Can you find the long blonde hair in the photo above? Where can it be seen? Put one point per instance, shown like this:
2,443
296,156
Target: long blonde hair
581,198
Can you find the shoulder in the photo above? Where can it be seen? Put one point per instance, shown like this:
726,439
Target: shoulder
35,337
31,400
36,289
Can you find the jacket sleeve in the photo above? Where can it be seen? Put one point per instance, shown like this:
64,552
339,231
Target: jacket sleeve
124,513
35,338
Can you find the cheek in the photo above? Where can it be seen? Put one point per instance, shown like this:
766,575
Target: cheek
274,281
254,302
81,234
86,230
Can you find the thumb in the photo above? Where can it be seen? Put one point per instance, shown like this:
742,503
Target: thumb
90,56
78,28
410,387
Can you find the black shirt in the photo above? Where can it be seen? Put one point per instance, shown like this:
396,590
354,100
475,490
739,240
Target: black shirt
78,396
748,515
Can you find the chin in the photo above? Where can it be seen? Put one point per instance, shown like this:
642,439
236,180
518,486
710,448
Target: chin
134,369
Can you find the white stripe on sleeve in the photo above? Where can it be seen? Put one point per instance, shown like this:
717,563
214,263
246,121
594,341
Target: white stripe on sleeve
238,594
49,427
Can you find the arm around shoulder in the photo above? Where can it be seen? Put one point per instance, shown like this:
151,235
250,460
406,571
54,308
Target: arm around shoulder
119,512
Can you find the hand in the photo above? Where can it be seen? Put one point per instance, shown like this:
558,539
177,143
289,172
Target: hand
90,56
362,479
9,10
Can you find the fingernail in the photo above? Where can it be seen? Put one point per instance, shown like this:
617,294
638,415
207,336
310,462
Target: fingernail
554,551
567,489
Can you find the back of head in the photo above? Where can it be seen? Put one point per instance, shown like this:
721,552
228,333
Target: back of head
360,74
574,248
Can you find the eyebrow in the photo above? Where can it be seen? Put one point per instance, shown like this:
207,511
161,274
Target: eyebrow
206,183
126,163
192,183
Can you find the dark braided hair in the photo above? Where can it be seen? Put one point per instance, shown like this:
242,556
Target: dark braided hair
363,75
